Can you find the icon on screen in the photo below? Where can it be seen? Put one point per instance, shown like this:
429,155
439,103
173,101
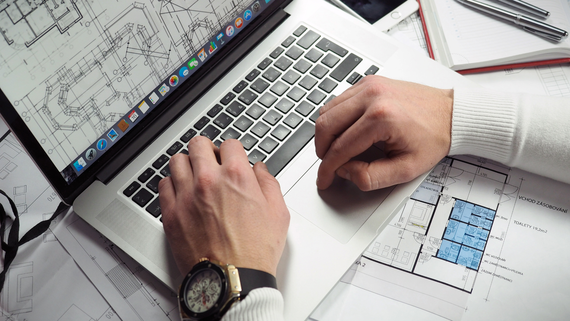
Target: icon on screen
112,134
247,15
255,7
213,47
239,23
192,63
173,81
153,98
230,31
202,55
133,116
79,164
102,144
90,154
219,38
163,89
143,107
123,125
183,72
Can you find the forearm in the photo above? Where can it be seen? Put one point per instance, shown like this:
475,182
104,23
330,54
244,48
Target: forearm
260,305
525,131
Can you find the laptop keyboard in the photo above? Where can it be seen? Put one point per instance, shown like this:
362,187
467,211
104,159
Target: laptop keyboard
271,111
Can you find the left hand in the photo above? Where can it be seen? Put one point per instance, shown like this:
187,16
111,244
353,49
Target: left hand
216,205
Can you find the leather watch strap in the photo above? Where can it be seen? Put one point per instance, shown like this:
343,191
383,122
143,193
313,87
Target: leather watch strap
252,279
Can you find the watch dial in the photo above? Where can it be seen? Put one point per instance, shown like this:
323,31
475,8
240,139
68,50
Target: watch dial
203,291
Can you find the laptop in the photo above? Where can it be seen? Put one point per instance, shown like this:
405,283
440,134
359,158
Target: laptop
102,95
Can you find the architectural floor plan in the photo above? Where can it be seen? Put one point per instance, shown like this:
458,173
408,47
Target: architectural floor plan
114,53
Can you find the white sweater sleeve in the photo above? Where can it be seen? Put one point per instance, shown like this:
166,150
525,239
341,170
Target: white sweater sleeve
261,304
519,130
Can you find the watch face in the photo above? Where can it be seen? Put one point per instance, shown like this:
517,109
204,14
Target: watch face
203,291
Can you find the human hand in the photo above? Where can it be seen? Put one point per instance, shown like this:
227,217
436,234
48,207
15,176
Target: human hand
215,205
413,121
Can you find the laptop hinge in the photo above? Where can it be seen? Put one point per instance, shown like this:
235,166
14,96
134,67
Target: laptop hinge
187,99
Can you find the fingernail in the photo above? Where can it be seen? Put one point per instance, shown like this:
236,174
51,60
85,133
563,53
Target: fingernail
342,172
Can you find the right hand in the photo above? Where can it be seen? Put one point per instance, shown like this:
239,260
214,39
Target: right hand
413,121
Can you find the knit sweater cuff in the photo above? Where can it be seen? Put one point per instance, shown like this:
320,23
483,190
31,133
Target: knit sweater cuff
483,124
259,305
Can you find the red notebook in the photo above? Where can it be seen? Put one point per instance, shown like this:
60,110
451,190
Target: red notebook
433,30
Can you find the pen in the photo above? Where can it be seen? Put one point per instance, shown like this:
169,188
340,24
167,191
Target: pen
525,6
528,24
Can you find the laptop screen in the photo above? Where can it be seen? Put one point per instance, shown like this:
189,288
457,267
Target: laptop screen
93,70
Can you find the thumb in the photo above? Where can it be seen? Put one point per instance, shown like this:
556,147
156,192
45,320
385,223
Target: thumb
379,173
268,184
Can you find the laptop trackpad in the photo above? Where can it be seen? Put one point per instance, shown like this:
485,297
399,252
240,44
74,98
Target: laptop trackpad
339,210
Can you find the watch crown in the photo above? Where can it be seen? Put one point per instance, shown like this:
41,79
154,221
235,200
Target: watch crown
203,259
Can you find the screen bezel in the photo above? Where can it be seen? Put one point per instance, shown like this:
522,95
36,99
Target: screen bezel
68,192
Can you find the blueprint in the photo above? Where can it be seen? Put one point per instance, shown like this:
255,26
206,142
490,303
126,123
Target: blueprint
86,63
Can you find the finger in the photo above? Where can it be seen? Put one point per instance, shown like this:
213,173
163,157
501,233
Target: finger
380,173
166,193
352,142
202,153
332,124
180,172
232,150
269,185
347,94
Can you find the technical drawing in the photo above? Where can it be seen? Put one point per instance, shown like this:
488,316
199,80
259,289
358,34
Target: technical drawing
86,64
442,232
18,289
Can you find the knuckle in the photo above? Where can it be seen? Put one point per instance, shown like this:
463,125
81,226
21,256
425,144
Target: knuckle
363,181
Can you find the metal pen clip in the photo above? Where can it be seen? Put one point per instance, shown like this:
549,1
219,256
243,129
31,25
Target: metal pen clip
543,34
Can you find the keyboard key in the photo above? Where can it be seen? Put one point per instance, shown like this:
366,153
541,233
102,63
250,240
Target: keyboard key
215,110
279,88
154,208
330,60
247,97
291,77
284,105
228,98
235,108
202,122
314,55
327,45
166,170
230,133
319,71
259,85
302,66
267,100
294,52
289,41
331,97
275,53
345,67
293,120
252,75
296,93
316,96
240,87
328,85
142,197
131,189
243,123
268,145
308,82
211,132
272,117
255,111
174,148
248,141
304,108
153,183
271,74
162,159
280,132
256,156
223,120
265,63
218,143
283,63
184,151
371,71
260,129
315,115
299,31
188,135
290,148
354,78
308,39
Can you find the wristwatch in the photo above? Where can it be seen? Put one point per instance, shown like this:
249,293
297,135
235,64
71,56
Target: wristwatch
211,288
